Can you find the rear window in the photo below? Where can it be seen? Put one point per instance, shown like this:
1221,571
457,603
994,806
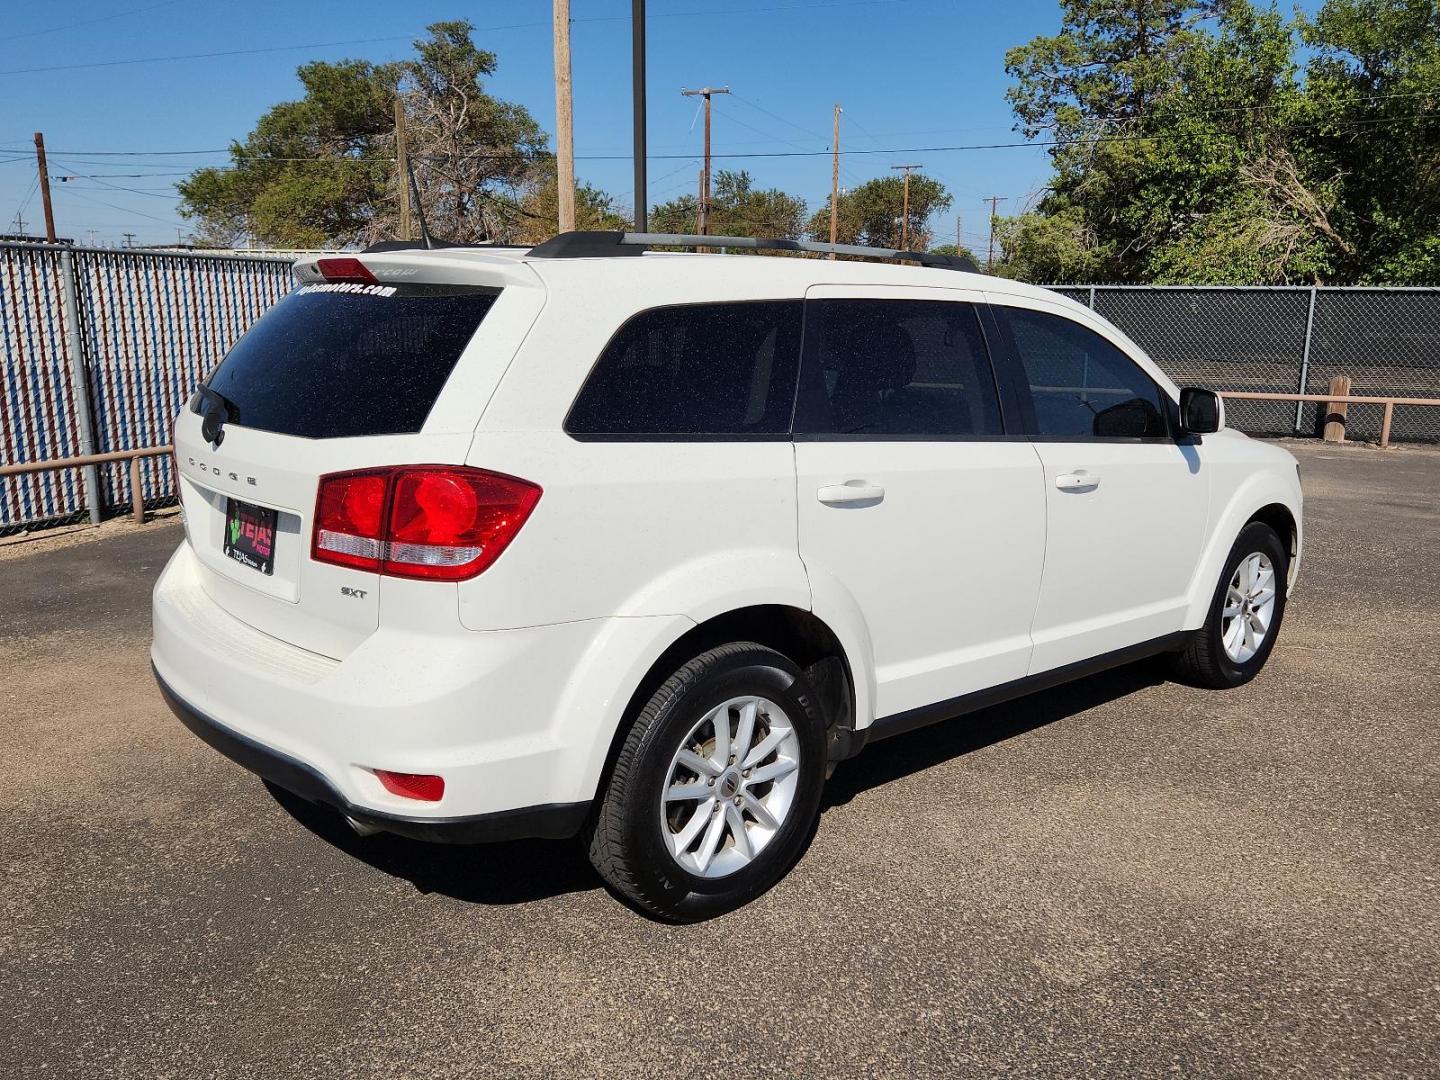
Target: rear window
328,364
725,370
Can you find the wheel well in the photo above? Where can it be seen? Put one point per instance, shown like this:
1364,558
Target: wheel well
793,632
1279,518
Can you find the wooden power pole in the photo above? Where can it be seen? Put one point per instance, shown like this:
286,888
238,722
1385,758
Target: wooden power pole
705,92
402,172
994,201
637,91
835,183
45,186
564,118
905,208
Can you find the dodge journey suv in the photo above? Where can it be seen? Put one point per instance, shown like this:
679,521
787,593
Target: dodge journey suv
593,539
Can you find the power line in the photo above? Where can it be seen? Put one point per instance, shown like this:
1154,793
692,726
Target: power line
127,210
1342,125
88,22
725,13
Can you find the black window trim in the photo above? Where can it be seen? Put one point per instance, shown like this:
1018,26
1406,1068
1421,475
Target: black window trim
688,436
1017,390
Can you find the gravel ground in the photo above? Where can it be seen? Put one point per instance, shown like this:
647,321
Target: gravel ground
1124,877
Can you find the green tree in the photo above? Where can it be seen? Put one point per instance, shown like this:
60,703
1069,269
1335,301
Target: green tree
737,208
1193,146
871,213
320,171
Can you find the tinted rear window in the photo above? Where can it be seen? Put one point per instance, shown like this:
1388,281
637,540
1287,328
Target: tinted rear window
695,370
325,364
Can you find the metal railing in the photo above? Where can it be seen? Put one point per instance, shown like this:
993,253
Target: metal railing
134,457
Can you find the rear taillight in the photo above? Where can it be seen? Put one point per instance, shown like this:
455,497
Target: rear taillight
441,523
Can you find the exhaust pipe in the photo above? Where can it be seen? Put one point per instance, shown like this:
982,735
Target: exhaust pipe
363,828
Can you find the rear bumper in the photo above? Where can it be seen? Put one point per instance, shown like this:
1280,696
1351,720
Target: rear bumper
517,722
554,821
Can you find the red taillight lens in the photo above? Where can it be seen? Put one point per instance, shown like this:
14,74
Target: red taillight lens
407,785
350,518
346,269
420,521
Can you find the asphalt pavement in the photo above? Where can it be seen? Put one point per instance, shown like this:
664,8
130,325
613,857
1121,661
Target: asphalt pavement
1124,877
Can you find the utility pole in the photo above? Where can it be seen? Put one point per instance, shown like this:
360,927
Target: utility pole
705,92
835,183
402,171
905,211
129,240
564,119
637,91
994,201
959,244
45,186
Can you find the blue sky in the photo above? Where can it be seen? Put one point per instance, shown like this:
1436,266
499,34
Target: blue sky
909,73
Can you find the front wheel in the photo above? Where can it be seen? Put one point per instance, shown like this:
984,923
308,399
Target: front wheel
717,787
1244,616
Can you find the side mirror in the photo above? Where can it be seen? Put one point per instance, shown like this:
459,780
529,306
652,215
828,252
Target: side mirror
1201,411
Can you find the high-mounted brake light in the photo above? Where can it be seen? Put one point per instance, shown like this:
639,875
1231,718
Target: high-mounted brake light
345,269
436,522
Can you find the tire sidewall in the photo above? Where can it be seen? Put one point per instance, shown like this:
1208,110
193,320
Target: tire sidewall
761,673
1255,538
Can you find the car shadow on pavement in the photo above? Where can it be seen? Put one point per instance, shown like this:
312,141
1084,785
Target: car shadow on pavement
514,872
915,751
521,871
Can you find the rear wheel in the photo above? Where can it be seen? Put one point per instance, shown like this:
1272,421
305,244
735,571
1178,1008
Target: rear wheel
1244,616
716,789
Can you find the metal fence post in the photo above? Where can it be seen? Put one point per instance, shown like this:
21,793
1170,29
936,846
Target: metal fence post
1305,360
80,383
1092,297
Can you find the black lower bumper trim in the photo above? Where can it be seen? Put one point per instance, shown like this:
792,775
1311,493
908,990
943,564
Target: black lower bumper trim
554,821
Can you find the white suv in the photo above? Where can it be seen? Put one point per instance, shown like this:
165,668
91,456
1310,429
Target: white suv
495,543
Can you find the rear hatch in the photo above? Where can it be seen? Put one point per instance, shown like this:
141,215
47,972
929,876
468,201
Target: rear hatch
372,361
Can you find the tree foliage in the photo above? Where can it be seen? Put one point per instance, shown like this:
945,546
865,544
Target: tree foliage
321,171
1193,145
871,212
737,208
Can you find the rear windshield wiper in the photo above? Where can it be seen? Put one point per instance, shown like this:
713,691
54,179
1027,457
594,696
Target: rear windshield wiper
207,400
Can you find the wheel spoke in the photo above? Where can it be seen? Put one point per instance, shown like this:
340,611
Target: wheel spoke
766,748
682,840
754,808
695,763
737,829
721,721
1233,635
711,843
686,792
1249,634
776,769
745,730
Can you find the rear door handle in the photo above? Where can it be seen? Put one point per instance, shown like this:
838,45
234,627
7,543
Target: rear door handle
1079,481
851,493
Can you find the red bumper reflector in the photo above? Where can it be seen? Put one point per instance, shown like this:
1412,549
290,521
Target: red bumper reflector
420,786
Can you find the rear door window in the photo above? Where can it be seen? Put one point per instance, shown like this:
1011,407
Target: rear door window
1081,386
330,362
898,369
695,370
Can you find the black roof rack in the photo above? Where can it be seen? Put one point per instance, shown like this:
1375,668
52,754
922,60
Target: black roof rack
589,244
420,245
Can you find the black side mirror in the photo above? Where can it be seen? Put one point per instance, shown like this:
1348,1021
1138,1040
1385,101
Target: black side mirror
1201,411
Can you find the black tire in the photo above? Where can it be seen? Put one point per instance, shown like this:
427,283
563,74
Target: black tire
624,835
1203,661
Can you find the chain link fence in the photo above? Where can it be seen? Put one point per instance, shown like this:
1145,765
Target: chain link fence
98,351
1289,340
99,348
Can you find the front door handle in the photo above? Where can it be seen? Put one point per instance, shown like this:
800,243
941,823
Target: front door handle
851,493
1078,482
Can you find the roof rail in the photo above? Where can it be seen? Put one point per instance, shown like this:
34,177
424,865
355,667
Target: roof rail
591,244
420,245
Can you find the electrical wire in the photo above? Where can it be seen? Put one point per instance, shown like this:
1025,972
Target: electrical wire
88,22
